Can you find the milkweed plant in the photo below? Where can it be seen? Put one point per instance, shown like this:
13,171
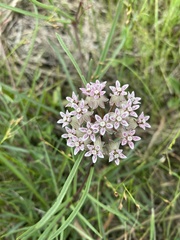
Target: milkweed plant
103,122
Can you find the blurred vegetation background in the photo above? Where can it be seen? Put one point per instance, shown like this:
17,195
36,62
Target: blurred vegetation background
136,42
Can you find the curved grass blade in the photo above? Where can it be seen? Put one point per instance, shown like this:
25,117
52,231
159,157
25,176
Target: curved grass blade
76,209
6,160
108,41
57,203
63,45
34,15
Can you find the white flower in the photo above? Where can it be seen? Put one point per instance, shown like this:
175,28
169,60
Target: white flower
66,118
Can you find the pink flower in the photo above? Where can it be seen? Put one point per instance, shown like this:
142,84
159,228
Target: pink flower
89,132
94,89
141,121
99,124
116,155
119,118
95,94
131,109
70,133
95,151
66,118
102,124
119,90
87,90
128,138
134,100
76,142
73,100
79,109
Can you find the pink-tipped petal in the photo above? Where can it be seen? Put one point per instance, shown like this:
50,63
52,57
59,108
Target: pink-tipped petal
100,154
124,87
124,123
117,161
109,125
116,125
131,145
102,131
124,142
87,154
93,138
136,138
98,118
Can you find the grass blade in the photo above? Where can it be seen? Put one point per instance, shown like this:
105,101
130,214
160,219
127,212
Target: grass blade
108,41
63,45
76,209
34,15
6,160
57,203
152,226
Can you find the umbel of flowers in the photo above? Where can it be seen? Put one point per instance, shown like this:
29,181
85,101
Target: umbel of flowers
102,125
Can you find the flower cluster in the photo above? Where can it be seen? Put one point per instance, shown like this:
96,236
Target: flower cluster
101,125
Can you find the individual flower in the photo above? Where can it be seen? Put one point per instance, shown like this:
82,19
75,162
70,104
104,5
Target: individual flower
70,133
89,132
118,95
134,100
131,109
95,151
87,90
142,121
66,118
73,100
118,90
79,109
102,124
95,94
116,155
76,142
128,138
119,117
94,89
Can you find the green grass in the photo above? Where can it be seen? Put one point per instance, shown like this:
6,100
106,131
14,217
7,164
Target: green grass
136,42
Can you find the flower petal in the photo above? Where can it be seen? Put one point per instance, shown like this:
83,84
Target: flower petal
136,138
102,131
131,145
124,142
94,158
87,154
98,118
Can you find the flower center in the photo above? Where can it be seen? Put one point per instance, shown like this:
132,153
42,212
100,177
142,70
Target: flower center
94,152
78,110
118,89
129,138
129,109
116,156
102,124
89,131
96,92
77,144
119,118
